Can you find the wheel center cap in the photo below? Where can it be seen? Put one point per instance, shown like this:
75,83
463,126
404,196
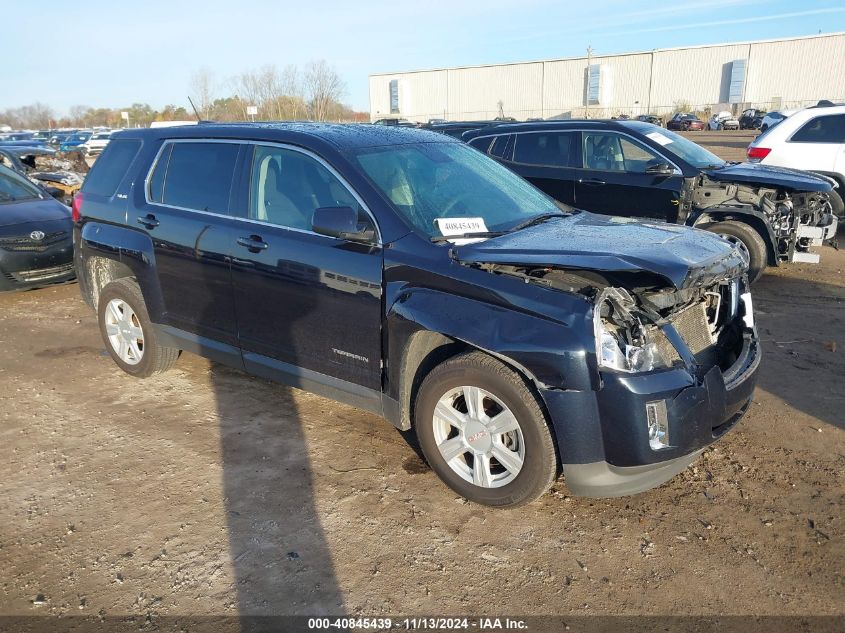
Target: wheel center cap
478,437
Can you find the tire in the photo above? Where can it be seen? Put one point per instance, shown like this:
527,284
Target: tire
502,391
837,206
750,239
121,299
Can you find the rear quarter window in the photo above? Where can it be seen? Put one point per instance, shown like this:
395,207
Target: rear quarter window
109,170
822,129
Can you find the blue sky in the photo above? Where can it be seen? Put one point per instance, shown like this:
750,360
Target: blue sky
107,53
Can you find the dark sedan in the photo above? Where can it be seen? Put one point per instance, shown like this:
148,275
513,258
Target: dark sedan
685,122
36,240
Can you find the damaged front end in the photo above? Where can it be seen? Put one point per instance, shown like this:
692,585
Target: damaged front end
794,219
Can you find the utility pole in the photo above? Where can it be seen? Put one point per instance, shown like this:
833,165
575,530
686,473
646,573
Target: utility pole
589,74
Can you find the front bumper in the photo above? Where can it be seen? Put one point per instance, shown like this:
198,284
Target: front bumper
24,270
603,435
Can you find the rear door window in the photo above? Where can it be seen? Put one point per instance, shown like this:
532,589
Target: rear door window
822,129
198,176
111,167
552,149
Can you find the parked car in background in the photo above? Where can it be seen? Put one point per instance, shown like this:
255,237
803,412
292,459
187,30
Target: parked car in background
97,143
36,237
650,118
456,129
773,118
723,121
812,139
395,121
405,273
684,121
57,139
75,142
751,119
632,168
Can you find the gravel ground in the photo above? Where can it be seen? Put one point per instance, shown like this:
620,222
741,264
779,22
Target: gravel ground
206,491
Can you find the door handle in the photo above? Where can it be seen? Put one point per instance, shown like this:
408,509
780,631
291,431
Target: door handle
148,221
253,242
593,182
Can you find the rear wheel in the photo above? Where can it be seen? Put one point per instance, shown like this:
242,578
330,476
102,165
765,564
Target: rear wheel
483,431
127,332
748,240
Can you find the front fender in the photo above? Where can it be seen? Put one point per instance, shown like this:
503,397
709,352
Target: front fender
553,354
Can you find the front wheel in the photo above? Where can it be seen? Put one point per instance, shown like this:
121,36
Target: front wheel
483,431
748,240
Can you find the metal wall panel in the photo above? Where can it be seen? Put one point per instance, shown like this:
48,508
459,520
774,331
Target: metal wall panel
784,73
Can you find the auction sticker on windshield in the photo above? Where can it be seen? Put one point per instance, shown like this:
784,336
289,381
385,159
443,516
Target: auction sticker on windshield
657,137
460,226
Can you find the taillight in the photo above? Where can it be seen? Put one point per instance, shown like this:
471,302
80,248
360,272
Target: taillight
756,154
76,207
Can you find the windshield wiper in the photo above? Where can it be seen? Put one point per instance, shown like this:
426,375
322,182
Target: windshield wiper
467,236
537,219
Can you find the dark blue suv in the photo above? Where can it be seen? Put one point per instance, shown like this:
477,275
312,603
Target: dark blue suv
407,274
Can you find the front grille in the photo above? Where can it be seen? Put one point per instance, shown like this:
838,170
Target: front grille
24,243
42,274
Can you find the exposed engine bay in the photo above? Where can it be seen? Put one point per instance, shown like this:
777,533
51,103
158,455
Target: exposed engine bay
797,220
709,323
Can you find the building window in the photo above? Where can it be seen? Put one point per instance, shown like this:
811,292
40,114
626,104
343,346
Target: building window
394,96
593,84
737,87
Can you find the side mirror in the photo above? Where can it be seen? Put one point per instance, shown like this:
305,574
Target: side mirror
660,169
342,223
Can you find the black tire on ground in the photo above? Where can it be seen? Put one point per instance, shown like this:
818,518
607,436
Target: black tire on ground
837,206
750,238
155,358
477,369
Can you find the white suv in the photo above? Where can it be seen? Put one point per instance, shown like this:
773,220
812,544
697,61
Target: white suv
97,143
812,139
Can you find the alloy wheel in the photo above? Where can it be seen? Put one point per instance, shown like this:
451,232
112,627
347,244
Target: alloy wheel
479,437
124,331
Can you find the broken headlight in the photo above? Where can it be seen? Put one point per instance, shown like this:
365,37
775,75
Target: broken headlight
622,343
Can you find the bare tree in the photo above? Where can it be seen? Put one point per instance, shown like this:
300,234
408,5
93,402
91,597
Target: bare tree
202,91
323,88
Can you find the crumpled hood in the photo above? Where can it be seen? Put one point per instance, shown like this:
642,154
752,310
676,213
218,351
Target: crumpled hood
683,256
758,174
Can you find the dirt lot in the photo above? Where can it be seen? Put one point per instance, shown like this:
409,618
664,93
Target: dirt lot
206,491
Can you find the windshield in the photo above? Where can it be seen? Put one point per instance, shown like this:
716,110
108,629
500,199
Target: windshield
80,137
13,188
426,181
684,149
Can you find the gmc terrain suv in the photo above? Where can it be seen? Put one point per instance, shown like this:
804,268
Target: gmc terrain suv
407,274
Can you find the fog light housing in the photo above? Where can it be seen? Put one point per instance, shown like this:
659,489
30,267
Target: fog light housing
658,424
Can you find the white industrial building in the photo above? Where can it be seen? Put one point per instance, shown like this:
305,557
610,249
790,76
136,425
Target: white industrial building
771,74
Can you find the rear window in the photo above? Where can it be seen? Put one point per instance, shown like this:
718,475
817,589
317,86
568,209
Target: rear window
111,167
198,176
552,148
822,129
